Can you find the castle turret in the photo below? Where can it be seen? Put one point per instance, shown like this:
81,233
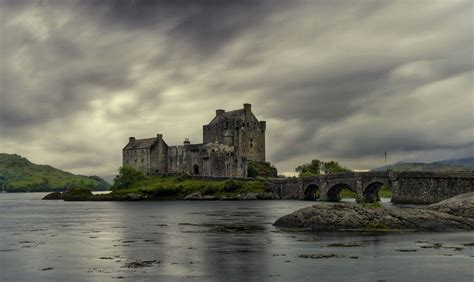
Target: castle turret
131,139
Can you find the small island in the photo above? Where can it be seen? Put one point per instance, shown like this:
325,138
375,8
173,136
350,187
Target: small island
456,213
133,185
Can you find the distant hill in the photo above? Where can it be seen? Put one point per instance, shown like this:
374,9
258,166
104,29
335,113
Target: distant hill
469,162
466,164
17,174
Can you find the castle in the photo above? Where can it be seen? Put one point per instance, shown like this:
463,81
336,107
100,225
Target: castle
229,140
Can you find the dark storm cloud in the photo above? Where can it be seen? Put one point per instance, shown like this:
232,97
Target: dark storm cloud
205,24
342,80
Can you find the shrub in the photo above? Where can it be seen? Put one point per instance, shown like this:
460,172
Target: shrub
209,190
261,169
166,191
316,167
231,185
127,177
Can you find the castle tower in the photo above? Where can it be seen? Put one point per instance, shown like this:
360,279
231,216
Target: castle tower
241,129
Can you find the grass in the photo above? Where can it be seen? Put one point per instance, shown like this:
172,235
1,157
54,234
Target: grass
385,192
175,187
346,193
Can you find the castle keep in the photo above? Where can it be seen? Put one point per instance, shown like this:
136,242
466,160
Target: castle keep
229,140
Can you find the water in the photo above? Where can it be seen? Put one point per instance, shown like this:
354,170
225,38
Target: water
206,241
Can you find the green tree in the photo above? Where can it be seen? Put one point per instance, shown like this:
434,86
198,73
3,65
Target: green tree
316,167
334,167
312,168
127,177
261,169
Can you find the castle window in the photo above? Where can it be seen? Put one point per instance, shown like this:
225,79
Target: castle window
251,142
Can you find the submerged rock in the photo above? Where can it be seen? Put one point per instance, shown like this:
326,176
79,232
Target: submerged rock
347,216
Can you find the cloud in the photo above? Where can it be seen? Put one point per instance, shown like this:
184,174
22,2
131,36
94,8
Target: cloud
334,80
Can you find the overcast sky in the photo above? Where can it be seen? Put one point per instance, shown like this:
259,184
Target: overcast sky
335,80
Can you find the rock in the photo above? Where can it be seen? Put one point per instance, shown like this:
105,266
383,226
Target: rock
209,197
77,194
265,196
460,205
347,216
248,196
193,196
135,197
53,196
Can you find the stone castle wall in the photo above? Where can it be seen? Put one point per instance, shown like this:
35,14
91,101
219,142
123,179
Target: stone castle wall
229,140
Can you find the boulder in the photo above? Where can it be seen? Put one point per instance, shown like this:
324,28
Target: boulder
193,196
135,197
348,216
265,196
248,196
77,194
53,196
460,205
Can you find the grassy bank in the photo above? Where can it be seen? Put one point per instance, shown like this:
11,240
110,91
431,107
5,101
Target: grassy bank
177,187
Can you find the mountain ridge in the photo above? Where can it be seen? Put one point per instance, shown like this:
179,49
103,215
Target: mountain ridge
18,174
463,164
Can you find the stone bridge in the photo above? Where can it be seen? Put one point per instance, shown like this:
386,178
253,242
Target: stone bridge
406,187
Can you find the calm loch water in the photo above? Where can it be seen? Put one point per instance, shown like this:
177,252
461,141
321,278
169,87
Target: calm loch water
208,241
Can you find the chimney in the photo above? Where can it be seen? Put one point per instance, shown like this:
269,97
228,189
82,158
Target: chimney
186,141
219,112
247,107
131,139
159,136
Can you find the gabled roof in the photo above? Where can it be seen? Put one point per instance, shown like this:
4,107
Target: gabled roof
229,115
140,144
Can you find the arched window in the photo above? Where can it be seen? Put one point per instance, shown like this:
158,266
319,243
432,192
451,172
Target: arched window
195,169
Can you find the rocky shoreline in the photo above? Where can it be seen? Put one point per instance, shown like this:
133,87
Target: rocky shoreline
453,214
75,195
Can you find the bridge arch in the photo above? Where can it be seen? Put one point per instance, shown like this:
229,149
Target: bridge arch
334,192
311,192
371,192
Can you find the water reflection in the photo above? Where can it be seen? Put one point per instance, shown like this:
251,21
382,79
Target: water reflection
202,241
